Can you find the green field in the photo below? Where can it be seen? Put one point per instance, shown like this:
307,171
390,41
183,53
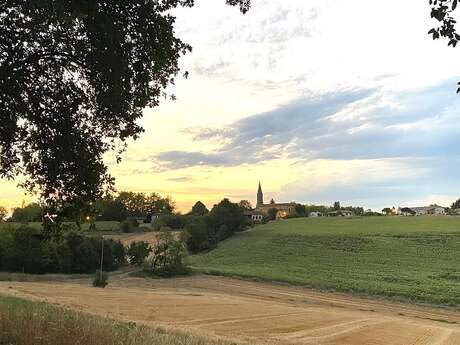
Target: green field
413,259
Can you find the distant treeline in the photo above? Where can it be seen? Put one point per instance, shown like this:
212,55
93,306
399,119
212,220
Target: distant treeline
25,249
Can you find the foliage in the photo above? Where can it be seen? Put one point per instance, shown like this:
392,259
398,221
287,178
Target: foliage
408,258
100,279
228,214
25,249
455,205
272,213
75,77
442,11
199,209
336,206
129,225
137,252
407,210
145,205
112,209
245,205
300,210
3,213
199,236
168,256
173,221
29,213
388,211
24,322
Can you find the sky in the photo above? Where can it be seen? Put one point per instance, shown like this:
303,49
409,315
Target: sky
319,100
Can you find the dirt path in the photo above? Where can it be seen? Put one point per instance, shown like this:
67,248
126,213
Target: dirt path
256,312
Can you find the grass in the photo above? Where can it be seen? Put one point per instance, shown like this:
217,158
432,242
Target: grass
24,322
414,259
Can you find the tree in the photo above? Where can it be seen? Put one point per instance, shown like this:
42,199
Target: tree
199,209
245,205
29,213
113,209
272,213
442,11
74,79
168,256
199,236
336,206
455,205
3,213
138,252
387,211
300,210
228,214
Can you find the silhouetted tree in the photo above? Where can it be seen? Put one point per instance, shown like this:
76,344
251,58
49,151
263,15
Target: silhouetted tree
336,206
74,79
272,213
245,205
199,209
3,213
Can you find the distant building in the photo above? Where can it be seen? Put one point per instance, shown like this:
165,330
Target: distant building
432,210
284,210
254,216
315,214
340,213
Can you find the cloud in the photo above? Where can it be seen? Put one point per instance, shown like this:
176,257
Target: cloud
347,124
181,179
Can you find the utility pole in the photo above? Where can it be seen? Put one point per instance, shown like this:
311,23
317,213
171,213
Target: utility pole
102,254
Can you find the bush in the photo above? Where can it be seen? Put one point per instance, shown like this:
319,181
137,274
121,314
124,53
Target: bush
100,279
129,225
199,237
168,257
26,250
173,221
138,252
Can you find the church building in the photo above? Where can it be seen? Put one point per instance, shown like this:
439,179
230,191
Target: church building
284,209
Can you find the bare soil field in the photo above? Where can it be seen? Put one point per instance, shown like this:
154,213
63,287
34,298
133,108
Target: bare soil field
251,311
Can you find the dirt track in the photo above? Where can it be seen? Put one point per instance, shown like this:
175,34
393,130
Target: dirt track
256,312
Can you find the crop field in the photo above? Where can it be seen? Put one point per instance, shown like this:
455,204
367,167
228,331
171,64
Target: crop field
415,259
24,322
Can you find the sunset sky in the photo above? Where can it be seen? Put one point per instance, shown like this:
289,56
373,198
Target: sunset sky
319,100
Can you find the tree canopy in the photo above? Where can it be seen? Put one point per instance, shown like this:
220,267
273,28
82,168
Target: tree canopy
75,76
442,11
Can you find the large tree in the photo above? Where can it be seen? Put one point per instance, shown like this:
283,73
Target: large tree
75,76
442,11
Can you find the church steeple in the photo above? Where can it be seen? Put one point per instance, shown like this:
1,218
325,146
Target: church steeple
260,196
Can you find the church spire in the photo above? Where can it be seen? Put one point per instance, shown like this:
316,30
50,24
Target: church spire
260,196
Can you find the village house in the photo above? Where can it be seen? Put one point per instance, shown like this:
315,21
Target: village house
432,210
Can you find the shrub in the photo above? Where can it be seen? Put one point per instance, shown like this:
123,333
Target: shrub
100,279
138,252
198,236
168,256
229,214
25,249
129,225
223,233
173,221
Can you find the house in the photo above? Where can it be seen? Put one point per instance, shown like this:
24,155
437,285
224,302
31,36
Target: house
432,210
254,216
340,213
